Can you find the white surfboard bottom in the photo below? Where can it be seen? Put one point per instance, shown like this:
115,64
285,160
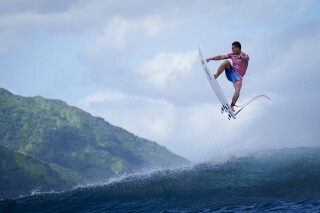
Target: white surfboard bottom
216,88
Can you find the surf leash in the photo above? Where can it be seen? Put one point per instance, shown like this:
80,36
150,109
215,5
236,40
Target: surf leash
252,100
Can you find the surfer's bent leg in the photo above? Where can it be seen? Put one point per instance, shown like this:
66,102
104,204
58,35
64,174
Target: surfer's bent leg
223,66
236,95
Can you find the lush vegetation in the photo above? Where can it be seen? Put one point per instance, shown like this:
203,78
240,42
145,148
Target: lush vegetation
22,173
71,143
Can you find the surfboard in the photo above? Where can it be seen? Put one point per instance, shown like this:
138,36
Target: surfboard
216,88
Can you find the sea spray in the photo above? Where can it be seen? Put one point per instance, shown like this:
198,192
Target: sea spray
286,178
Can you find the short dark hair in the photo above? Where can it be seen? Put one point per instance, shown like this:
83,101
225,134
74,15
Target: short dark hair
237,44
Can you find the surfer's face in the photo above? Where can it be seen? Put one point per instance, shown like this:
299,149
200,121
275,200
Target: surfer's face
235,50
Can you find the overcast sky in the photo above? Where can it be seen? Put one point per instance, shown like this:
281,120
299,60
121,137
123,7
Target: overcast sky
135,63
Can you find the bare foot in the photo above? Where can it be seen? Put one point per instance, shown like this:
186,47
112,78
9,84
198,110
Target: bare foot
232,108
215,76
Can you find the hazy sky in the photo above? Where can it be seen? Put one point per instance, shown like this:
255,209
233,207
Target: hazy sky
135,63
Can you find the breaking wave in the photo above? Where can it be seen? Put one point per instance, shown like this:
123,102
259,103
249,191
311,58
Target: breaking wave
287,178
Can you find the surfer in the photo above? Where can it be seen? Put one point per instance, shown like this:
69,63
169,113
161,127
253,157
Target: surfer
234,72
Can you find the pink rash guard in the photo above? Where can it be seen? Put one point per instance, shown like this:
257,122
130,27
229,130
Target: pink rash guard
240,66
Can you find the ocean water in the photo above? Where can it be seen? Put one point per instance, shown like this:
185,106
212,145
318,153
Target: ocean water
278,181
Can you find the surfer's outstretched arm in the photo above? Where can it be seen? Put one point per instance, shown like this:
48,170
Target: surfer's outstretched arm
216,58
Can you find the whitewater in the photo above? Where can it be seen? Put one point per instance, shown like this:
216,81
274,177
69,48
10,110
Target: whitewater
286,180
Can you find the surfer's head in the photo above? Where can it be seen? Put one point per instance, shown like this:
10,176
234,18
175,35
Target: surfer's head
236,47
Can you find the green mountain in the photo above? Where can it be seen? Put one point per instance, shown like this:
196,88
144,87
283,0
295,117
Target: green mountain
69,138
21,173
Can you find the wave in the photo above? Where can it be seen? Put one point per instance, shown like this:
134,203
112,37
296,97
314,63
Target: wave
281,175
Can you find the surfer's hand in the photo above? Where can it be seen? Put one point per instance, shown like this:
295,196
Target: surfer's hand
208,59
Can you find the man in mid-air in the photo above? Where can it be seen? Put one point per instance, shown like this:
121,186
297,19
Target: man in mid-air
234,72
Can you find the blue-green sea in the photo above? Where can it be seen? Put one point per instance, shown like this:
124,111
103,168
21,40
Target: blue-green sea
274,181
